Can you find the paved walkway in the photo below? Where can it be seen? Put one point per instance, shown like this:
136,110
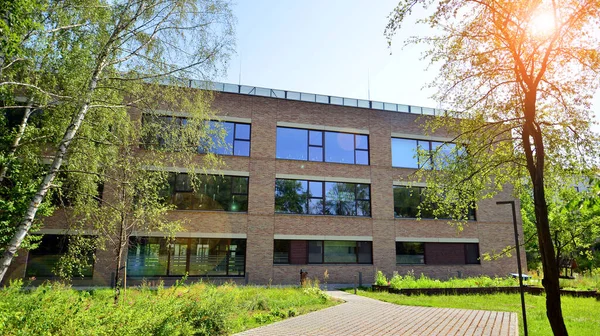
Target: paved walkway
365,316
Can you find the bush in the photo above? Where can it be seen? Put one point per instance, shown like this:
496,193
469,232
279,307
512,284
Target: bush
396,281
381,279
410,281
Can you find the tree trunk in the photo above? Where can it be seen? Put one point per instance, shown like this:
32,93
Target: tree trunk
119,254
535,166
18,137
118,269
23,228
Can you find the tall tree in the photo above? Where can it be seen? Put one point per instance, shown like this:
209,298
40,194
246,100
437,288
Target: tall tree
96,59
517,78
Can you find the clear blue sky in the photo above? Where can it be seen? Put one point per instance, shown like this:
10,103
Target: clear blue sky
329,47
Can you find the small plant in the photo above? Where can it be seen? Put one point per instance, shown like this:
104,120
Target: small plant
263,318
396,281
381,279
312,288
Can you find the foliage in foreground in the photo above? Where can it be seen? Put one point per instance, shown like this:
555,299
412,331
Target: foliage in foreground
410,281
580,314
199,309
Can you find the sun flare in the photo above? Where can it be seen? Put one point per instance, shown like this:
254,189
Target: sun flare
542,23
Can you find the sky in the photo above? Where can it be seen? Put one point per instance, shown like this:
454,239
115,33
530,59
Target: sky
331,47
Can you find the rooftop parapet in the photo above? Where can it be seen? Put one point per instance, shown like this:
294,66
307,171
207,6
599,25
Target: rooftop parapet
306,97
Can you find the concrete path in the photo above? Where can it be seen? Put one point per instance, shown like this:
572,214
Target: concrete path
364,316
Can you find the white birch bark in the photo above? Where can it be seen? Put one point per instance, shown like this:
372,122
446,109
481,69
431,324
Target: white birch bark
18,137
25,226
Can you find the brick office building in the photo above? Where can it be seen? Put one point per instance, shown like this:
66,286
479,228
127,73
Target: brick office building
310,182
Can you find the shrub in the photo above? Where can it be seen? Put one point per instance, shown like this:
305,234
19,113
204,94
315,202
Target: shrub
396,281
381,279
410,281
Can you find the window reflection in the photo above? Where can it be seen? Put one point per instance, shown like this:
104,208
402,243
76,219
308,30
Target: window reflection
404,153
408,201
322,198
212,192
44,260
411,153
222,138
155,256
235,141
314,145
339,147
322,251
289,143
410,253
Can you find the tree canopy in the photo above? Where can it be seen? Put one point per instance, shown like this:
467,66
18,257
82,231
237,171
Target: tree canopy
88,70
574,215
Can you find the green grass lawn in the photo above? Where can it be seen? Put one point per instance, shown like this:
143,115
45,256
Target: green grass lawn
582,315
199,309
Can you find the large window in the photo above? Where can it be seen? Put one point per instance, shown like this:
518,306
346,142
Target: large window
212,192
223,138
322,198
437,253
154,256
236,139
411,153
322,252
322,146
43,261
408,199
163,132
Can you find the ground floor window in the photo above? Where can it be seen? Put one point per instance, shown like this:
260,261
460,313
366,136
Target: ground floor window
410,253
156,256
322,252
437,253
43,261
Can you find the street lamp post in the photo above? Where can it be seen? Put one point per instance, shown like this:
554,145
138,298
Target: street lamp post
517,246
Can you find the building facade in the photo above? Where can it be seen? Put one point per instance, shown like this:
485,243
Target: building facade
310,182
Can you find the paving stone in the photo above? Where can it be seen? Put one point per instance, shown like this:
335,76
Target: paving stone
360,315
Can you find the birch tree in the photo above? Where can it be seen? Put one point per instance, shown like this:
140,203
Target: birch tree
112,56
516,78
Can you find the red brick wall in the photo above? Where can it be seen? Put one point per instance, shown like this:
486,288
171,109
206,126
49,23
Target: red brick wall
260,224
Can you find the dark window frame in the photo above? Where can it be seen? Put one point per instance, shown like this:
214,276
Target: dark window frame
323,146
64,246
424,253
472,216
288,248
323,244
181,121
173,190
323,198
235,137
189,243
429,163
464,248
